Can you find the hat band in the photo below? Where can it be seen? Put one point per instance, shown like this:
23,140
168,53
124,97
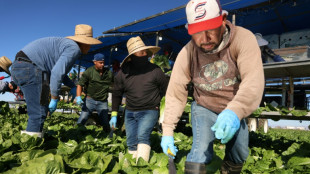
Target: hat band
84,34
135,48
205,25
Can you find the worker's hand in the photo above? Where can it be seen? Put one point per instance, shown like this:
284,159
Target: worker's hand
53,105
168,142
72,93
226,125
79,100
113,119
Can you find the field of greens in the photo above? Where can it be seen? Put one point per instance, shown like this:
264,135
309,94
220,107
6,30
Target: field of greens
70,148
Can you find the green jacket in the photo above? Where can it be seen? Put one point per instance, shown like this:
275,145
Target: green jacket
95,85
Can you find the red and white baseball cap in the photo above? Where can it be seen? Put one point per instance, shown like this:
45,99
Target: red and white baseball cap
203,15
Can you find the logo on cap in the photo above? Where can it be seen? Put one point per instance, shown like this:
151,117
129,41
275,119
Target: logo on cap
200,11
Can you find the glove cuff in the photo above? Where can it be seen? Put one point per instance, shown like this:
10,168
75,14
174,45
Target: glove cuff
233,116
169,138
114,114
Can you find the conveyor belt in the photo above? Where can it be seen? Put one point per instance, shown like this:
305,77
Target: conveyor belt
276,115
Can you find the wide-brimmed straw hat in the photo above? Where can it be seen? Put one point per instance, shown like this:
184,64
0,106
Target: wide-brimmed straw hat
5,64
84,34
136,44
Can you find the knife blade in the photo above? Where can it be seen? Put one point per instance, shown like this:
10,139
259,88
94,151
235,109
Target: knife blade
172,169
111,132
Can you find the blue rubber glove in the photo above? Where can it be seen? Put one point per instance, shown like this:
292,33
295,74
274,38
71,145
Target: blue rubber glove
72,93
53,105
79,100
113,119
226,125
168,142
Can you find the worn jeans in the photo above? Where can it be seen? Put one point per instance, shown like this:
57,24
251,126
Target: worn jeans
139,126
202,148
29,78
90,105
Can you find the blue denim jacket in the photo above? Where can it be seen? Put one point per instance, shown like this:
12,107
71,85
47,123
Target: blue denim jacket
56,56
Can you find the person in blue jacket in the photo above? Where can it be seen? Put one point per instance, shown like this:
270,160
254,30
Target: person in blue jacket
42,66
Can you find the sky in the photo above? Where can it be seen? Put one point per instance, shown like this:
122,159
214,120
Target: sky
22,21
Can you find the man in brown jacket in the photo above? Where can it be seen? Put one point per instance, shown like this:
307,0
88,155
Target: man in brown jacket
223,61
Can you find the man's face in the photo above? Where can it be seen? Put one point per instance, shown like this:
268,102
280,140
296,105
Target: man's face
209,40
99,65
11,87
141,53
84,48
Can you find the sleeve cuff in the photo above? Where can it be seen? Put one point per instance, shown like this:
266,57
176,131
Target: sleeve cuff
167,131
114,114
54,93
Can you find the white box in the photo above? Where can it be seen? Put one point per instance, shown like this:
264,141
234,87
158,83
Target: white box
273,40
295,38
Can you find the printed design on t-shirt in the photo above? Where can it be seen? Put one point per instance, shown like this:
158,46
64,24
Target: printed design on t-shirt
213,74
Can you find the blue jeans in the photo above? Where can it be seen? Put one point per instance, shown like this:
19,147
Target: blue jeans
202,148
29,78
139,126
90,105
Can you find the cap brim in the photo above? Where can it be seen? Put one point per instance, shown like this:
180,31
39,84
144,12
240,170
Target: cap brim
153,49
205,25
85,40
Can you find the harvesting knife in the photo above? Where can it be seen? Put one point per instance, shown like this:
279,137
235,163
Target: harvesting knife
111,132
172,169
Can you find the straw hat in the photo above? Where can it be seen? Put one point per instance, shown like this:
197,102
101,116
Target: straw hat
84,34
5,64
136,44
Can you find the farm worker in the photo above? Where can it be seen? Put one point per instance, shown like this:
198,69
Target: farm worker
7,86
5,64
143,84
266,51
223,62
42,66
96,81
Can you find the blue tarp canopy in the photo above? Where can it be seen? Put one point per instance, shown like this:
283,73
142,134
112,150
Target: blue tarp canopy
260,16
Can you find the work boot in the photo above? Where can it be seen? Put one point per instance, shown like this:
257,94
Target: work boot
143,152
229,167
39,134
195,168
133,153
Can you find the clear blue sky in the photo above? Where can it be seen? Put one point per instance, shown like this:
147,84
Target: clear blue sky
22,21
